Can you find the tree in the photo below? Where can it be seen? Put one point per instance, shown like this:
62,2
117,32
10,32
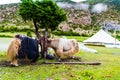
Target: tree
45,14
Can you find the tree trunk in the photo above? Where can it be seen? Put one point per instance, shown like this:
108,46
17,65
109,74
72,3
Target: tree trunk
36,30
45,37
42,47
42,40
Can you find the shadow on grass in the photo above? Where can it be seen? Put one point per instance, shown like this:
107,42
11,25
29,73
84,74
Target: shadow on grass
5,63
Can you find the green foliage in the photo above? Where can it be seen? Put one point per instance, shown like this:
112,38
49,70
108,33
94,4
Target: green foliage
11,28
14,29
68,33
12,34
26,9
3,35
45,13
29,34
78,38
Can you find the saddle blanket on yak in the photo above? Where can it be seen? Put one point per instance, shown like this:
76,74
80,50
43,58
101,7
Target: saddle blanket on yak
29,49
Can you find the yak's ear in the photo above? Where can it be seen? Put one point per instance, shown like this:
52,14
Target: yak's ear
49,40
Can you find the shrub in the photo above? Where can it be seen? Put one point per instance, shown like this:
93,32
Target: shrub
69,33
29,34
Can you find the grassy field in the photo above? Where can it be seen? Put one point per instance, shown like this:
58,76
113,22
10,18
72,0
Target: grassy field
78,38
108,70
12,34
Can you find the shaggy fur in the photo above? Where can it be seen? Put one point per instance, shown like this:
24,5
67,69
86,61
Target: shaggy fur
12,51
22,47
64,48
29,49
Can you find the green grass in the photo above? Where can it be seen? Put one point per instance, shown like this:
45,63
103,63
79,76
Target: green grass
9,34
110,59
78,38
108,70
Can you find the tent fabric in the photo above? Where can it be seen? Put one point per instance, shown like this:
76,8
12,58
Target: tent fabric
102,38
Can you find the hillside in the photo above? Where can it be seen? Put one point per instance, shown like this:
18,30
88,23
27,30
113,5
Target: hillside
9,18
81,19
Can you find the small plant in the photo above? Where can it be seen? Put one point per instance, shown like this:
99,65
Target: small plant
29,34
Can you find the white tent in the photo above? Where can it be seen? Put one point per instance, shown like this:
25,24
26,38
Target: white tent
104,39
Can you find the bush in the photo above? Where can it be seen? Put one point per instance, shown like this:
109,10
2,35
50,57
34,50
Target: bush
29,34
69,33
6,36
15,29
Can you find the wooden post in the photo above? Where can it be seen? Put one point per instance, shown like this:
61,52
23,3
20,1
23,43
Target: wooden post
81,63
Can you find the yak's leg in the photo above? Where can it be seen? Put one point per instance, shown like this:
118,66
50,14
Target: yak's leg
56,56
76,48
15,62
69,53
59,54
